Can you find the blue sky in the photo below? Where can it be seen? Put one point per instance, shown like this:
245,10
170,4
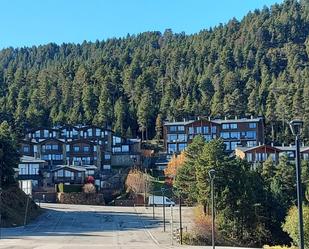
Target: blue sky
35,22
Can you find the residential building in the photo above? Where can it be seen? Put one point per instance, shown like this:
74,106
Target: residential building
260,154
30,173
247,132
77,147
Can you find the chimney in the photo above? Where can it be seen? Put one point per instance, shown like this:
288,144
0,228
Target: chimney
282,144
251,116
272,144
225,118
198,118
209,118
184,119
236,117
259,143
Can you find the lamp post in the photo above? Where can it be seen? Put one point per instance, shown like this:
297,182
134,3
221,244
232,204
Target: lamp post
163,193
212,174
296,126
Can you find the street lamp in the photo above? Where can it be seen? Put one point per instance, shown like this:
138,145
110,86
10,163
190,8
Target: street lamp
212,174
163,193
296,127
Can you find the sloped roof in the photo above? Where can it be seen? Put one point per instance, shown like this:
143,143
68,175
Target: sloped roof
30,159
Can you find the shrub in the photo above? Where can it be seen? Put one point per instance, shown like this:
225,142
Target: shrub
89,188
291,225
90,179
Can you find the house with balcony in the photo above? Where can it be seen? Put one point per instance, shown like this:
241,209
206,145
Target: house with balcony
236,132
30,173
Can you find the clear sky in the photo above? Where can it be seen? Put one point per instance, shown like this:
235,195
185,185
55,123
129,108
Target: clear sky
35,22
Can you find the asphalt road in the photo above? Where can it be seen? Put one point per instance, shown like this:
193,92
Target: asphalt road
78,226
87,227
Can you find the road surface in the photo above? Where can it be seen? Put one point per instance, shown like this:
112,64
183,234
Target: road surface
90,227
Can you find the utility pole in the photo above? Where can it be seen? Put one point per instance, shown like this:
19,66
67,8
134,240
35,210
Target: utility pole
153,206
180,220
163,192
212,173
172,225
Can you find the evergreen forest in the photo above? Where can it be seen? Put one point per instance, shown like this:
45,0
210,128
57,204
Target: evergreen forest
255,66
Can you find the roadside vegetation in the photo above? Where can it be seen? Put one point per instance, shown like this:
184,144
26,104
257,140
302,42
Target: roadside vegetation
251,202
13,203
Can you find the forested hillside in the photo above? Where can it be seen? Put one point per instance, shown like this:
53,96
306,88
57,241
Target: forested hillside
256,66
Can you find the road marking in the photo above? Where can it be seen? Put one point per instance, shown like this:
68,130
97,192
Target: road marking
146,229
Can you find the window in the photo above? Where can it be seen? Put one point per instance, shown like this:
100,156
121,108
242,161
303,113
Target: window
22,169
251,143
213,129
205,129
106,166
225,135
54,134
26,149
182,138
116,140
234,145
181,128
37,134
86,160
207,138
252,125
86,148
35,183
97,132
48,147
171,148
76,148
227,146
251,134
46,133
75,133
55,147
249,157
68,173
305,156
273,156
198,129
95,148
171,137
233,126
182,146
191,130
57,157
173,128
235,135
116,149
60,173
125,148
89,132
226,126
67,147
107,156
90,172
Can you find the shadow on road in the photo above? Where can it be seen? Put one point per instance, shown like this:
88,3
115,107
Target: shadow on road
66,222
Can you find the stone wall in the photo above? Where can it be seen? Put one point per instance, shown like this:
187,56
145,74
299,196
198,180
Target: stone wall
80,198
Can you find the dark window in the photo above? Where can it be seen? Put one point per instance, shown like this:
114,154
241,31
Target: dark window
76,148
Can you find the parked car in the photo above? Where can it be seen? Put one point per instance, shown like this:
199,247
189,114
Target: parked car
157,200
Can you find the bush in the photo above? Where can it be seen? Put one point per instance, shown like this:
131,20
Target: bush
279,247
90,179
89,188
291,225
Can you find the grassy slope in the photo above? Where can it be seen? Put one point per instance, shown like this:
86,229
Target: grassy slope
13,207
